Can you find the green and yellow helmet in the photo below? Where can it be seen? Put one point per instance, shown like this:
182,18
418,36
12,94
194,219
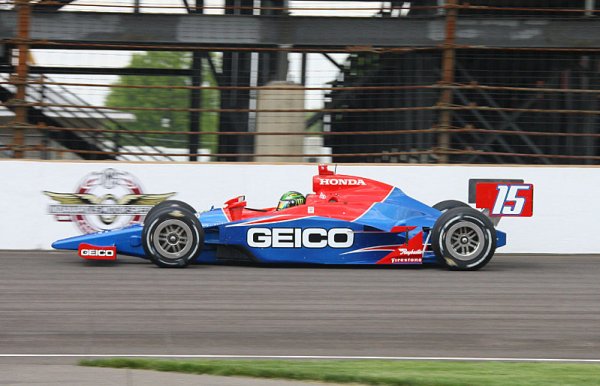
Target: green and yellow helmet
289,199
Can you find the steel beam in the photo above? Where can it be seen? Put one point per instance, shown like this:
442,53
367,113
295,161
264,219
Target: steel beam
333,61
21,112
45,70
448,64
236,71
244,30
195,94
508,120
483,144
195,103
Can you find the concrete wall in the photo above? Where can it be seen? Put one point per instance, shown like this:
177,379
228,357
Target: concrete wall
566,203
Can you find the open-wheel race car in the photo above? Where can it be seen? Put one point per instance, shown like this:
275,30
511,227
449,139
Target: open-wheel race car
347,220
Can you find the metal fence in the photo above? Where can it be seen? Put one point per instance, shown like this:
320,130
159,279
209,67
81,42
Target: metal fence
340,81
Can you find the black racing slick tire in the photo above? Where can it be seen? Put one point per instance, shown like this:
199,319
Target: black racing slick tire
167,204
463,239
173,237
443,206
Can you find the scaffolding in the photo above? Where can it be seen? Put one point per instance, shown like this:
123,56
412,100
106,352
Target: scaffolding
414,81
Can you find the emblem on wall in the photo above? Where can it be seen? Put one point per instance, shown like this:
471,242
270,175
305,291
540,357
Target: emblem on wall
105,200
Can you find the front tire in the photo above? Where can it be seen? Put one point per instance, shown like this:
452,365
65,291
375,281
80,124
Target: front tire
173,237
167,204
463,239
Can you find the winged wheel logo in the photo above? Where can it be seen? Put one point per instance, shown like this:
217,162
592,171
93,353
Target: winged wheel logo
104,200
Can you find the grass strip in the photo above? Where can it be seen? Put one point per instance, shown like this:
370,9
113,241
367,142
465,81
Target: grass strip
372,372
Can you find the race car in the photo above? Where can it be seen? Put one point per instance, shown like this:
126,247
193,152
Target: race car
347,220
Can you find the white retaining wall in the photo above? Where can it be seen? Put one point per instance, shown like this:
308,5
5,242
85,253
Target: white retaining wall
566,201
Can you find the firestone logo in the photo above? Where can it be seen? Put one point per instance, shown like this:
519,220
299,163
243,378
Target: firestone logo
407,260
105,200
342,181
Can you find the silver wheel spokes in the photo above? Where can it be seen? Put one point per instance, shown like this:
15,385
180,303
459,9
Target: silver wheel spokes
172,238
464,240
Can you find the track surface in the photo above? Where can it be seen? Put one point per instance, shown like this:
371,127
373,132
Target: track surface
519,306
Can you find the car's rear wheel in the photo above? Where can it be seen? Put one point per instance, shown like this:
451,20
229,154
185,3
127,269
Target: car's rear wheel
173,237
443,206
463,239
167,204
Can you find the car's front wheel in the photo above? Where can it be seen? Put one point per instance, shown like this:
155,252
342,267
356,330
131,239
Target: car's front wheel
173,237
167,204
463,239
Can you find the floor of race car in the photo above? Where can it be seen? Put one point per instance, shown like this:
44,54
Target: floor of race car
516,307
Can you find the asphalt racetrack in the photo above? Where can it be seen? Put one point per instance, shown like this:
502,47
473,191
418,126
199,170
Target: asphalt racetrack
517,307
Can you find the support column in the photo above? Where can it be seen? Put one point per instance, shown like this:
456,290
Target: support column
195,104
303,69
448,63
590,5
273,66
195,117
21,119
236,73
289,97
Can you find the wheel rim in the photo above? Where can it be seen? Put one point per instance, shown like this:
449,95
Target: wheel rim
464,240
172,239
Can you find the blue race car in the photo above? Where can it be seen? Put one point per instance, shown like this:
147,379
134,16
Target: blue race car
347,220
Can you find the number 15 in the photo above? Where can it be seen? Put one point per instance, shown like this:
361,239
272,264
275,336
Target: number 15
508,202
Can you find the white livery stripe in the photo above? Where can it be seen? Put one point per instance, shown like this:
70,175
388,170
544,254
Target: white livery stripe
376,248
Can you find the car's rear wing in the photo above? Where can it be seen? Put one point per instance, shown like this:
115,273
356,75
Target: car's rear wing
502,197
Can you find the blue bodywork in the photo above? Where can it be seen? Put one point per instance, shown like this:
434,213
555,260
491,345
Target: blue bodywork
371,233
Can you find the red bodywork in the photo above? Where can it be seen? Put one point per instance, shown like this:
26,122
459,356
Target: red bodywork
333,194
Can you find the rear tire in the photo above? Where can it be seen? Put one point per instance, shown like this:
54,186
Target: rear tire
443,206
173,237
463,239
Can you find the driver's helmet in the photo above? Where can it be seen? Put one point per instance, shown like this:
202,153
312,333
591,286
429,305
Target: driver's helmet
290,199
